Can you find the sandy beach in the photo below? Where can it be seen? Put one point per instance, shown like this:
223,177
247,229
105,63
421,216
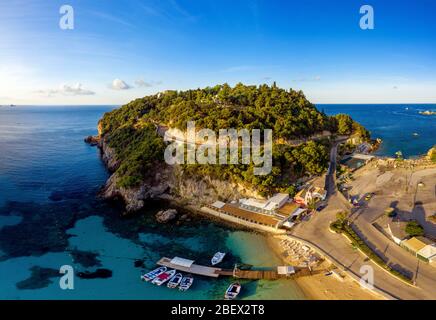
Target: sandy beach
322,287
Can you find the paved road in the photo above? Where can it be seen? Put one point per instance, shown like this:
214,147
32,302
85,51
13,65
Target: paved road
400,259
316,230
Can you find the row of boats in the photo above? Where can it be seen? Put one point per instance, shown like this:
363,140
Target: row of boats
161,275
174,279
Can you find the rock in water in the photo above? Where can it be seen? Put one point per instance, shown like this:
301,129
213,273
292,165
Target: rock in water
165,216
99,273
91,140
139,264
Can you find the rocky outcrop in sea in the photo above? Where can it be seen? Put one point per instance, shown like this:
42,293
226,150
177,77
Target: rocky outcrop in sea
165,216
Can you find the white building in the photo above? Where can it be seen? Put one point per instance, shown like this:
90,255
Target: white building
265,206
428,253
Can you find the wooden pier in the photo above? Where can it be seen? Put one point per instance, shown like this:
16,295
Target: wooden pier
268,274
192,268
271,274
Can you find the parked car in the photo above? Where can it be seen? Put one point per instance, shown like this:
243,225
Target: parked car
320,208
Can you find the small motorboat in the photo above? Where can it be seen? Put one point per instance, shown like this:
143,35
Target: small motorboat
175,281
218,257
164,277
153,274
232,291
186,283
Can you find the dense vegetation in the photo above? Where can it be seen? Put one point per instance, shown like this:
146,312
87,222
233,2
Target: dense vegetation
131,132
138,150
287,112
345,125
414,229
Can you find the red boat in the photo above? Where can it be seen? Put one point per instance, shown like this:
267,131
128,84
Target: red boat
164,277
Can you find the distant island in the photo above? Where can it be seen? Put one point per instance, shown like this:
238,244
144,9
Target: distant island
428,113
132,145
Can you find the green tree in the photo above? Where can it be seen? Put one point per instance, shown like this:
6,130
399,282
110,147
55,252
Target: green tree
341,216
345,124
414,229
312,205
432,154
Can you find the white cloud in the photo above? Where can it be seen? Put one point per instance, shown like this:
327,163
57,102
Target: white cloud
119,84
67,90
143,84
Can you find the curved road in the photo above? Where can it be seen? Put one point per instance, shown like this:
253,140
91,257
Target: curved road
317,231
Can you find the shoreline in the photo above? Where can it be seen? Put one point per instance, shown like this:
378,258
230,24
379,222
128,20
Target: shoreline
322,287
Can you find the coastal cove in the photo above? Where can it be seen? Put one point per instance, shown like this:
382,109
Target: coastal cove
50,215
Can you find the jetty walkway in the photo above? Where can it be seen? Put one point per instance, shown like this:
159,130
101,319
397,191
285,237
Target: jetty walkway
188,266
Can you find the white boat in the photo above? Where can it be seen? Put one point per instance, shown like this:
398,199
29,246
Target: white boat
164,277
232,291
218,257
186,283
153,274
175,281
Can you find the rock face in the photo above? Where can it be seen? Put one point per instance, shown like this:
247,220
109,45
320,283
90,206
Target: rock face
168,182
134,198
108,156
165,216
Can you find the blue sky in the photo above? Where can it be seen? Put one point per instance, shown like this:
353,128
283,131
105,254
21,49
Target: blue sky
121,50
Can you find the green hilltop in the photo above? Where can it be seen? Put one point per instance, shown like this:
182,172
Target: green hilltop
131,131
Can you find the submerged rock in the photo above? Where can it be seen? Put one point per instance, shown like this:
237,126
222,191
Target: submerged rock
99,273
85,258
165,216
39,278
139,264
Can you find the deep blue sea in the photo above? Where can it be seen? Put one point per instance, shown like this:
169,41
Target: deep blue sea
50,216
400,126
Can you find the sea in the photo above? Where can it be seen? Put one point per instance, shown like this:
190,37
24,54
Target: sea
400,126
51,215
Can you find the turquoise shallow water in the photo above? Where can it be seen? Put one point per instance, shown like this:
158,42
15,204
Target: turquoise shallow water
50,216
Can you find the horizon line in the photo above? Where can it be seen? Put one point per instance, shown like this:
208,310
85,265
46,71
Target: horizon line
111,104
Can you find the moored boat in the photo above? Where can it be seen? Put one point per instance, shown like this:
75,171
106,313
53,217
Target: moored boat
218,257
186,283
164,277
232,291
175,281
153,274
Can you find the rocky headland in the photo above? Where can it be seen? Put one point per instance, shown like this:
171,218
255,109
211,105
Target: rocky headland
131,144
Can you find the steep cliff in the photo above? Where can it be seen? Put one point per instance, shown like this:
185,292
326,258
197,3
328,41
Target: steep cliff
168,182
